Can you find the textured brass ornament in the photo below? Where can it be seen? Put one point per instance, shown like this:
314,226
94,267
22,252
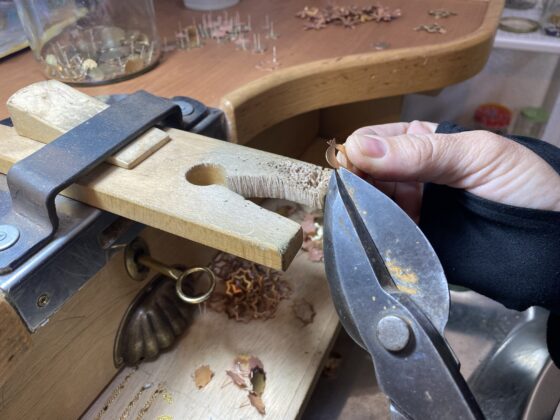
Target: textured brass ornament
152,323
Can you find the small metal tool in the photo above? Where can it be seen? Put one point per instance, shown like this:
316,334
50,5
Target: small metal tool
392,297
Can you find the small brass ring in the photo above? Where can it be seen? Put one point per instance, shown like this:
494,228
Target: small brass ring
195,299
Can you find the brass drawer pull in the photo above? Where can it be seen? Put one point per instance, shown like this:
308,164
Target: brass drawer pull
138,262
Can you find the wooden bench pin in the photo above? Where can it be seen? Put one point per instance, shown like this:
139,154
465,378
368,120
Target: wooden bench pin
193,186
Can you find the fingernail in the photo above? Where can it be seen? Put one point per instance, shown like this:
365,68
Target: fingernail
372,146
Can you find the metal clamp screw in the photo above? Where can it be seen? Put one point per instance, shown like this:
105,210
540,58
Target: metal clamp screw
393,332
9,235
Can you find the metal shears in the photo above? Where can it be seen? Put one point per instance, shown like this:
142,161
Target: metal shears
392,297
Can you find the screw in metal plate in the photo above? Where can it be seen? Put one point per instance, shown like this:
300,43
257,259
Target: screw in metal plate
393,332
9,235
43,300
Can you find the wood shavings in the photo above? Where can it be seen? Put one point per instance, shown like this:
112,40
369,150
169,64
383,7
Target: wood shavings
433,28
304,311
246,291
257,402
441,13
312,226
346,16
202,376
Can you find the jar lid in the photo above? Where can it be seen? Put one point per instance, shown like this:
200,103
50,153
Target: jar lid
534,114
518,25
492,115
552,30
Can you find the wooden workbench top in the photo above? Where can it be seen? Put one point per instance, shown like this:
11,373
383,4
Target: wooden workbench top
320,69
317,68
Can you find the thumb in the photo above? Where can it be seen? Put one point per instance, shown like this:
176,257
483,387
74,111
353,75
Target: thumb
440,158
481,162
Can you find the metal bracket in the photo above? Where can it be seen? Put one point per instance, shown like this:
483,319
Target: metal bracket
197,117
35,181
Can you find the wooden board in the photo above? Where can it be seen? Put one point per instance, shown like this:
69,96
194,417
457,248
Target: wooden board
69,361
14,339
318,69
83,331
291,353
195,187
44,111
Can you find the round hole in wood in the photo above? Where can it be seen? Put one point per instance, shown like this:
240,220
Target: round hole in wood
206,174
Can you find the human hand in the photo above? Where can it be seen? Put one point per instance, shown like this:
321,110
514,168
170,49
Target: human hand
398,158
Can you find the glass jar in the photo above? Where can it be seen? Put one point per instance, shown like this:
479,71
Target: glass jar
521,4
492,117
530,122
550,20
87,42
209,4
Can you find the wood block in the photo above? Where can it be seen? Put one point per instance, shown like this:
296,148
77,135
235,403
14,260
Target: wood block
292,355
45,110
194,187
70,359
15,340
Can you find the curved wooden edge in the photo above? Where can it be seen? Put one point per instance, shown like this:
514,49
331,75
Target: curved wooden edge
15,339
341,80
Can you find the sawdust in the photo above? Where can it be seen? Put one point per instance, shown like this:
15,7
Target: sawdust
303,183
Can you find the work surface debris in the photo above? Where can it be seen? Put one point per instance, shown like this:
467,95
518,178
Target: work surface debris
304,311
433,28
312,227
202,376
246,291
248,373
346,16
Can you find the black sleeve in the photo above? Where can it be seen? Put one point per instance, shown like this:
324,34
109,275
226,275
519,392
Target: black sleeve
508,253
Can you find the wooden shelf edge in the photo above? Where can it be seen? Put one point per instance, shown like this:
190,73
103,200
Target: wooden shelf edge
341,80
